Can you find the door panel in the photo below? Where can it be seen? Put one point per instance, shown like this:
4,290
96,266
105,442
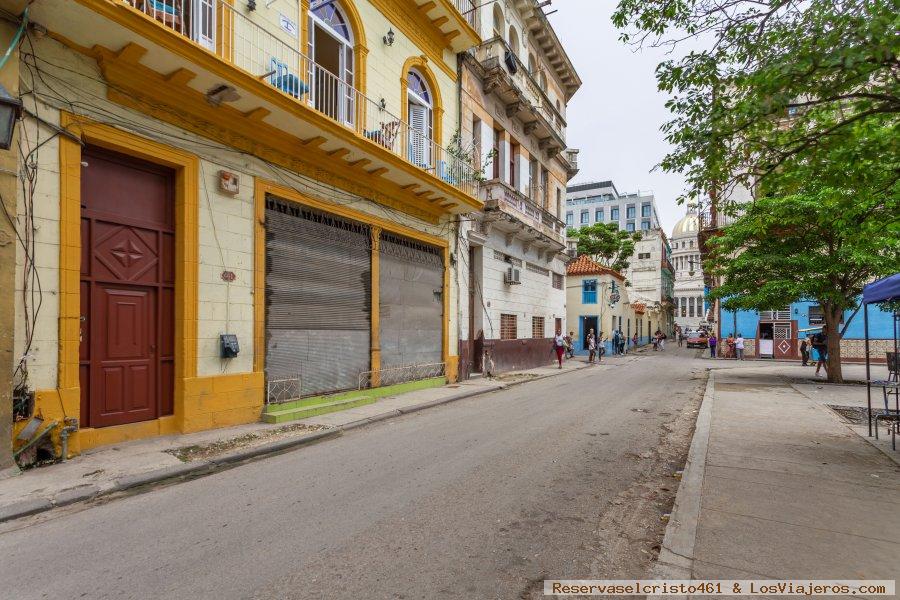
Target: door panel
127,290
124,360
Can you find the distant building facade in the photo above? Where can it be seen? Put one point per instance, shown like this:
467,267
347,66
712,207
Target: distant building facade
601,202
597,298
690,308
651,280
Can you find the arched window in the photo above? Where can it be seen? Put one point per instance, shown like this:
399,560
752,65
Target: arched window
532,64
331,69
421,118
498,21
543,80
513,41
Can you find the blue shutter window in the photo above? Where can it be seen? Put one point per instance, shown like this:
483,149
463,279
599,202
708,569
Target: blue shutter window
589,291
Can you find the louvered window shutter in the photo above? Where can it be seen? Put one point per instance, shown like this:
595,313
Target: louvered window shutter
418,131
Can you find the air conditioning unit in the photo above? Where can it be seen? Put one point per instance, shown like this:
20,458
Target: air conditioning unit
513,276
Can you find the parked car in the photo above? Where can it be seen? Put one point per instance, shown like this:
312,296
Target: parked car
697,340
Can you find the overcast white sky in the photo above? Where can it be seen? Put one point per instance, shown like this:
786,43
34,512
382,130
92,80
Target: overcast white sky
614,118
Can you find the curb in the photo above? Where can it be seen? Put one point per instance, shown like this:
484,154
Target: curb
194,469
201,468
676,558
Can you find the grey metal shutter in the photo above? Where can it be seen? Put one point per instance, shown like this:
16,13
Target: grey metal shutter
411,305
318,298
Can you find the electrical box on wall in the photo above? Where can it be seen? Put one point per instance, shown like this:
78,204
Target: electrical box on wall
229,345
229,183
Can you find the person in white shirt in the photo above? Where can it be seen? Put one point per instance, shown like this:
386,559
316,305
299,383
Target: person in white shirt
739,346
559,343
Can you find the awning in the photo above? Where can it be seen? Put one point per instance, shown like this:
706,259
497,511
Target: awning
882,290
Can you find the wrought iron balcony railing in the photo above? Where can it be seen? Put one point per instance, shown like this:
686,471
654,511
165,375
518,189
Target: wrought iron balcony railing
271,57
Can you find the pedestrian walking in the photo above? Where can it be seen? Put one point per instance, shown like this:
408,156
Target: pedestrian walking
634,341
679,337
804,351
729,346
570,344
616,339
662,341
559,343
739,346
592,346
712,345
820,345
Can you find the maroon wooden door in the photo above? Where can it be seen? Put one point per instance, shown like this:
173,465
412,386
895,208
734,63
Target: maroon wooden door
127,289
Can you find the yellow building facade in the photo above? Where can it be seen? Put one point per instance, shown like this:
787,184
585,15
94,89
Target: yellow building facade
264,171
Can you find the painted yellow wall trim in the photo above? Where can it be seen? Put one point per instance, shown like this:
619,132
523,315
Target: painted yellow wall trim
420,64
200,403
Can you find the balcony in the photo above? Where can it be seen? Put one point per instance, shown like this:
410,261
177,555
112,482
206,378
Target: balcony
515,214
504,75
212,67
456,19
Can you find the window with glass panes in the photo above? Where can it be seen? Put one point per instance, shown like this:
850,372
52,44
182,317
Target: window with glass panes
629,212
585,217
598,215
645,210
570,219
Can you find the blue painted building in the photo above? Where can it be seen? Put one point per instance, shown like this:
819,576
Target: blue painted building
777,334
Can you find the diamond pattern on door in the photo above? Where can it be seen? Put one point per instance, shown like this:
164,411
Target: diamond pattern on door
125,253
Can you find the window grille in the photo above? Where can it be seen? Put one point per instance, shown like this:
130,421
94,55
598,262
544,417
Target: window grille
508,327
537,327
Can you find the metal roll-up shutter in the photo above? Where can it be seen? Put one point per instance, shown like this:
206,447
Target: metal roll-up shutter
411,306
318,298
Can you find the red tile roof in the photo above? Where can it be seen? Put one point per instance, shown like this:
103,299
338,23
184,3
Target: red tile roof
583,265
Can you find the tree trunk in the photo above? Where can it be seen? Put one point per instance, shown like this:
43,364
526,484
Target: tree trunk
833,321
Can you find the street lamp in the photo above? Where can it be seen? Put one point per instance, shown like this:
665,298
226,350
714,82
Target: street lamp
10,111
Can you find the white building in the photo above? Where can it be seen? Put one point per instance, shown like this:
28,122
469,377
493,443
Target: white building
689,305
651,278
600,202
515,88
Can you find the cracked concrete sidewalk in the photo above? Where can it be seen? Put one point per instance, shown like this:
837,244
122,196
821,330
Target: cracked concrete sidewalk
779,486
116,468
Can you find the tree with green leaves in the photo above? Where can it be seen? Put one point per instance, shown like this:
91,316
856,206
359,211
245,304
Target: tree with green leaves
820,229
755,83
606,244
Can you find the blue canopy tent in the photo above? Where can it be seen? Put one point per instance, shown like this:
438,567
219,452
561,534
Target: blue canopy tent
883,290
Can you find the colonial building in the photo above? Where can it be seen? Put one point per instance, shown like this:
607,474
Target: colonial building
514,90
689,292
651,281
230,204
597,299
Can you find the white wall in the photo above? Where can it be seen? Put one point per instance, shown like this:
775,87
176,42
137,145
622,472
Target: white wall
534,297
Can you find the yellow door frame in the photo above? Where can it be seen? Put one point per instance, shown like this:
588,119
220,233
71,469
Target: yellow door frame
68,392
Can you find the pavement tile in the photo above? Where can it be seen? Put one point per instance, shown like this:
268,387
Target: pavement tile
792,551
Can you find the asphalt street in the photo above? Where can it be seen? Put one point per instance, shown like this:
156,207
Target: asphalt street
565,477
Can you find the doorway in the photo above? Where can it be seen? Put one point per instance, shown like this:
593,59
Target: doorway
331,72
587,323
766,340
127,290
